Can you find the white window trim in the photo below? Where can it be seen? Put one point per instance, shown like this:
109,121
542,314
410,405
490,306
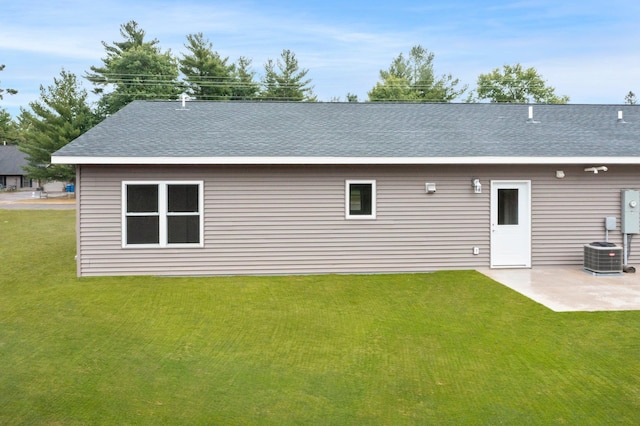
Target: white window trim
347,201
162,212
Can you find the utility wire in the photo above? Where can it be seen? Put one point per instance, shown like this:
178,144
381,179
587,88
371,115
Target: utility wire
191,83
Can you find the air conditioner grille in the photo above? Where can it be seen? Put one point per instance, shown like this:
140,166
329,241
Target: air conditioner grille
602,259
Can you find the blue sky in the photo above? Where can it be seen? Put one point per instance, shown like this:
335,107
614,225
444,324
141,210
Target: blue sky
586,49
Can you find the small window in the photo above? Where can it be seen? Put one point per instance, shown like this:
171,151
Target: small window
507,206
161,214
360,199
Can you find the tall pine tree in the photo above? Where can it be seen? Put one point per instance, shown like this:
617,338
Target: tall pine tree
8,128
207,75
285,81
9,91
59,116
134,69
244,86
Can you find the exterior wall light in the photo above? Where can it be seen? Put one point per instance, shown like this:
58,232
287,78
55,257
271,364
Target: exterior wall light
430,188
477,186
595,170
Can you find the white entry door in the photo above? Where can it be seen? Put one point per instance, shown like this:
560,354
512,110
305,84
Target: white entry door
511,224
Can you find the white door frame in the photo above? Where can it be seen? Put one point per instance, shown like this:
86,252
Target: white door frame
511,243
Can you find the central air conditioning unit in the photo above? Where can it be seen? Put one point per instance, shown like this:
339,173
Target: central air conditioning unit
603,258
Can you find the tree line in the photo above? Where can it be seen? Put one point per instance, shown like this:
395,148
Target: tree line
137,68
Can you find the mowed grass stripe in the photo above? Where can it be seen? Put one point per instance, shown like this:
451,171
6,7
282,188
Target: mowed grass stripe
440,348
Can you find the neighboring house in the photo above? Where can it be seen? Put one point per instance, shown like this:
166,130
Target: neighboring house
216,188
12,175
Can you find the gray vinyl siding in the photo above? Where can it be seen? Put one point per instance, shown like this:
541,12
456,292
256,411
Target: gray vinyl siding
291,219
569,212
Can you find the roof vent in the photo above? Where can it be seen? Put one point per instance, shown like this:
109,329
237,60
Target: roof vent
620,118
183,99
530,119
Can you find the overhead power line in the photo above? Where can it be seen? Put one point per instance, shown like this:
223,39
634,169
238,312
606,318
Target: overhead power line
194,83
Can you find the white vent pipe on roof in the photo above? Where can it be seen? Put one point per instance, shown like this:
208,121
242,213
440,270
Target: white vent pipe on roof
530,119
183,100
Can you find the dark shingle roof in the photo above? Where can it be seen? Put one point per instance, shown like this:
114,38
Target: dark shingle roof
156,129
11,161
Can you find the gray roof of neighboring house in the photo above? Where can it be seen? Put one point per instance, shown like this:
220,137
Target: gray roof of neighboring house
11,161
216,130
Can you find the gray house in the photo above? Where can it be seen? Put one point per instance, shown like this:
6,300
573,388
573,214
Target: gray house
12,175
215,188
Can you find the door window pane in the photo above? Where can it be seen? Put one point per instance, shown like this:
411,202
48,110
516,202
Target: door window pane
507,206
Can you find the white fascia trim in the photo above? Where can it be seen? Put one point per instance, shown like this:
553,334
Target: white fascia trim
340,160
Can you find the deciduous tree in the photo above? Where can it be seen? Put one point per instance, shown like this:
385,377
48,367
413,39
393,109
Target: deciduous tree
517,85
630,98
413,79
352,97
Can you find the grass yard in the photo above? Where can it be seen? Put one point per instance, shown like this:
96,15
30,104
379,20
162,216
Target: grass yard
441,348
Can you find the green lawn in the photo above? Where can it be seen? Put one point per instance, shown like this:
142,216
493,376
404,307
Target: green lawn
441,348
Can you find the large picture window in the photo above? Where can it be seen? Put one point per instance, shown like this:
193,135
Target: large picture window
162,214
360,199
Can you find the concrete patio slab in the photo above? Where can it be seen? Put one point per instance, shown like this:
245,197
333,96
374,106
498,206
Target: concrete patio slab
572,289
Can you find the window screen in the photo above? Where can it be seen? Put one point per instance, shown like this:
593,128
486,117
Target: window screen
143,223
182,198
142,198
162,213
360,198
182,227
143,229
